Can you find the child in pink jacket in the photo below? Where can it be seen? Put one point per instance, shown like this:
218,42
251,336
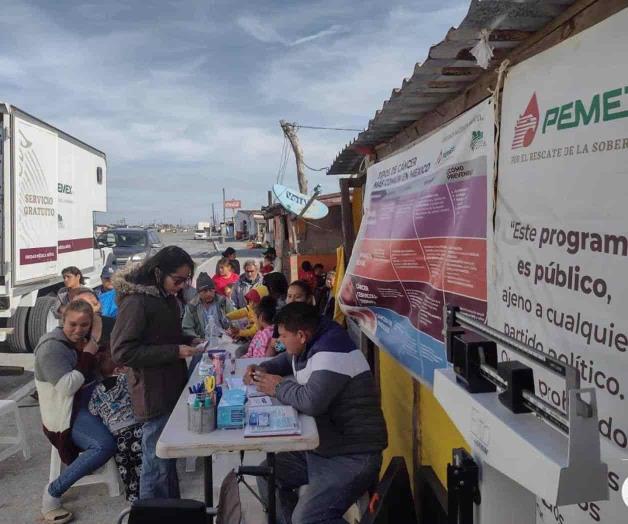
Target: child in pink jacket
265,313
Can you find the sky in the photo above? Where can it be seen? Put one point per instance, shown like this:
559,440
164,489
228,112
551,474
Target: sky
185,97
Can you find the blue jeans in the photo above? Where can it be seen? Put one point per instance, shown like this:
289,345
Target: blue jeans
333,485
94,440
159,478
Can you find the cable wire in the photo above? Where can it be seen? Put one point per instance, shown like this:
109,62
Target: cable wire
327,128
313,169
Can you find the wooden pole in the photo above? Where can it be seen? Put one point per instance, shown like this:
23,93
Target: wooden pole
346,213
291,134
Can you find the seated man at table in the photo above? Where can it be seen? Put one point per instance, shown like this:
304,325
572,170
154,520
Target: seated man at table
333,383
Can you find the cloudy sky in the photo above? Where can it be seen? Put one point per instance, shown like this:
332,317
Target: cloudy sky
185,96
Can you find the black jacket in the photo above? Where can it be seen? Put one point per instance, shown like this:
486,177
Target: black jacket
146,338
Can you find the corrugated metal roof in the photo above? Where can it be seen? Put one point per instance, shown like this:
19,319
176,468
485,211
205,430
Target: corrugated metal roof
450,69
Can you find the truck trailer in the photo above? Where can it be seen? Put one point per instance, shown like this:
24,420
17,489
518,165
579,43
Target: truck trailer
51,185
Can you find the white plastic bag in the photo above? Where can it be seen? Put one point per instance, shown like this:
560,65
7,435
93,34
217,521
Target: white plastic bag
483,51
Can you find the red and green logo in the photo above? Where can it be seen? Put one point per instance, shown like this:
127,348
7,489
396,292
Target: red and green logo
601,107
527,124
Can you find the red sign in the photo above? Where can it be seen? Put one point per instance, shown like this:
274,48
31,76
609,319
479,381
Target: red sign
233,204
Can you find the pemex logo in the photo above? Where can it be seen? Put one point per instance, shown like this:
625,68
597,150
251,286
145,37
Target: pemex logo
527,124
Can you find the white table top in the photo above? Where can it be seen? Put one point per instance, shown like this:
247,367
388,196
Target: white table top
176,441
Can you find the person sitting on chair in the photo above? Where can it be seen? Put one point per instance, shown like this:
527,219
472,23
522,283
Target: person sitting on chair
333,383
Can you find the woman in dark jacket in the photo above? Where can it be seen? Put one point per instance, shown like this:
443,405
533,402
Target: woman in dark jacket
147,337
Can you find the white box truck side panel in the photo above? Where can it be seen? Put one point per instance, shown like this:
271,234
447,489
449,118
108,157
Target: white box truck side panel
34,202
81,191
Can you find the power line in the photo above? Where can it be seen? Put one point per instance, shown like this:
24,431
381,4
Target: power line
282,160
312,169
327,128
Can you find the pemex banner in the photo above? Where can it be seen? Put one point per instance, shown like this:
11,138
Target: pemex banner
422,242
559,257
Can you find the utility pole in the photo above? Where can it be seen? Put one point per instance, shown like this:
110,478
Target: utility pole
224,219
290,131
213,217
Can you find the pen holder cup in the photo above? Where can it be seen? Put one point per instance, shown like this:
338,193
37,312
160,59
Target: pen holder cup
201,419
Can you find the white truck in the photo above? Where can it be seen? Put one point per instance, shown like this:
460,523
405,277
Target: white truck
50,185
202,231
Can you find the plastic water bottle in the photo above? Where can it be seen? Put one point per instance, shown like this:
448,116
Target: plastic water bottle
206,367
209,332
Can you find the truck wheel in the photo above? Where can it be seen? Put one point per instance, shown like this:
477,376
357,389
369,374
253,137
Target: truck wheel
42,318
18,340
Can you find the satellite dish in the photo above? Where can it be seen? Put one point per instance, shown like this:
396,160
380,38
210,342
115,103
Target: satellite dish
295,203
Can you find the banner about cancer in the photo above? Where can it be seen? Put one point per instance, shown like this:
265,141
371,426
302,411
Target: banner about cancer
558,269
422,242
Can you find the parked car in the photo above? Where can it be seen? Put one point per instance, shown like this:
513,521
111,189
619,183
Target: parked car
131,244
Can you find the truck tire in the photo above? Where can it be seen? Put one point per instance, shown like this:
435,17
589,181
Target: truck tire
42,319
18,340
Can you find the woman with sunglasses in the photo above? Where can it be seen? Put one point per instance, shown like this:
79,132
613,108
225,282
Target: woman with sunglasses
147,338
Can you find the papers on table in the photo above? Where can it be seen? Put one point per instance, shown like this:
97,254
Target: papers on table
265,421
259,401
252,392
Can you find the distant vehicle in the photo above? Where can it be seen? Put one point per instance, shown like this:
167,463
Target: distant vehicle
52,183
201,234
130,244
202,226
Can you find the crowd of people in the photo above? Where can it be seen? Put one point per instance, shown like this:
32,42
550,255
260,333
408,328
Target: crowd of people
109,376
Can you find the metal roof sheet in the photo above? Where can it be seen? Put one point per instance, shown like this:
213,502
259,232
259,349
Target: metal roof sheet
449,69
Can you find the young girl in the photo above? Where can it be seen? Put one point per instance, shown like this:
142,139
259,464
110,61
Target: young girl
298,291
253,297
265,312
111,402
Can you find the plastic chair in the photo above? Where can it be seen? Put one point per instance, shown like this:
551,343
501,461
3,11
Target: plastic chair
107,474
18,442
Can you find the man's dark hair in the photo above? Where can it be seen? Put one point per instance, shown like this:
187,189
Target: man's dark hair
266,309
298,316
318,266
277,285
167,261
306,266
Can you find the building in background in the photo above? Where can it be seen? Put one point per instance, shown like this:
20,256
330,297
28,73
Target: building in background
250,225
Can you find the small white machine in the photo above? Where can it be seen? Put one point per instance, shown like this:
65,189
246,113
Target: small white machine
522,447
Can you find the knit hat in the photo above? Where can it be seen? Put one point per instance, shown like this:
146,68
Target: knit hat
270,251
204,281
256,294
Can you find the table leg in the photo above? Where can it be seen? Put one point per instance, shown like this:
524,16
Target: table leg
272,509
209,486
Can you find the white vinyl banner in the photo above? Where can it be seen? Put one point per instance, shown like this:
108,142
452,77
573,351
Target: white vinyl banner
559,259
35,191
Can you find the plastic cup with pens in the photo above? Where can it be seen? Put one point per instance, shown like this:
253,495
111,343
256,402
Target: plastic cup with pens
202,406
